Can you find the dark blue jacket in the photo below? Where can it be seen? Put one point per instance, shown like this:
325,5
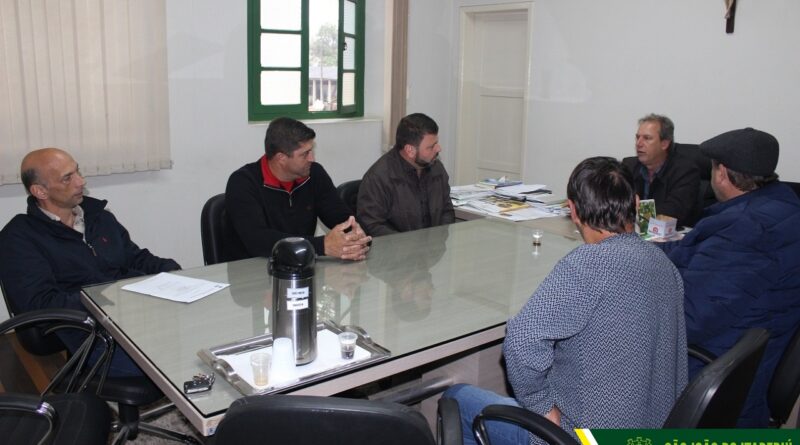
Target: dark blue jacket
44,264
741,269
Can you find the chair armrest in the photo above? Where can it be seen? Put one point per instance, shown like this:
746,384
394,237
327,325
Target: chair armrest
29,403
448,428
530,421
48,321
58,318
32,404
701,354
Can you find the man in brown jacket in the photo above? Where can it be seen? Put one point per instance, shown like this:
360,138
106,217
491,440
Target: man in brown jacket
407,188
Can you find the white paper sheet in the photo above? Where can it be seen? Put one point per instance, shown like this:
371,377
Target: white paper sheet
175,287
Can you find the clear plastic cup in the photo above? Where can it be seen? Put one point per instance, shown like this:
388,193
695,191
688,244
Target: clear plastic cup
261,363
536,236
347,343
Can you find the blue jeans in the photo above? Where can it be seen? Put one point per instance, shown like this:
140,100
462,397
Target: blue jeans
471,401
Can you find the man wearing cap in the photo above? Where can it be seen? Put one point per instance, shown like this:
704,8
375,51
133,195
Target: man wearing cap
740,263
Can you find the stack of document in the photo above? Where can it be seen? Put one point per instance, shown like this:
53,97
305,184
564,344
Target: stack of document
557,205
492,183
462,194
523,192
498,204
512,202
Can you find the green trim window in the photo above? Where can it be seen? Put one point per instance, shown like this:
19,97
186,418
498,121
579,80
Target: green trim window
305,59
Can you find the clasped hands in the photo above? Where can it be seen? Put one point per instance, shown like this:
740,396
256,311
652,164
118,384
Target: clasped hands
347,241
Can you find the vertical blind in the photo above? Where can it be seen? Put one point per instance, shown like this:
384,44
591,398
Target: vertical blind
88,76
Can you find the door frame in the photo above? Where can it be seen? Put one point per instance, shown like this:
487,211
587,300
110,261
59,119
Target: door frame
467,17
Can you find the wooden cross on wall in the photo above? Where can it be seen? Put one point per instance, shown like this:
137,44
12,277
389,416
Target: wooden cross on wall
730,15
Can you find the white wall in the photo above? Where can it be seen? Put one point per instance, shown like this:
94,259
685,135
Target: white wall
596,68
599,66
210,135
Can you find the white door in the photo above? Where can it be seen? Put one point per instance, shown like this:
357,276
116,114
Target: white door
493,91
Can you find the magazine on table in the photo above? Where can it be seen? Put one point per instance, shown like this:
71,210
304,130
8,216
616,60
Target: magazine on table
497,204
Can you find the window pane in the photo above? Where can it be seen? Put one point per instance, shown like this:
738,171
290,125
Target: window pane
322,91
323,54
348,89
299,61
350,17
280,50
349,55
323,34
281,14
280,87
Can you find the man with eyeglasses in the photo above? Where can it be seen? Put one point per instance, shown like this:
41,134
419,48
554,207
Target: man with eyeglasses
282,195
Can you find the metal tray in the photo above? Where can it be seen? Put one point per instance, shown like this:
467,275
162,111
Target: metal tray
211,357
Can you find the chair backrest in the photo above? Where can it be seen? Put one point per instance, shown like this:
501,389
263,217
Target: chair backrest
703,164
714,398
348,192
784,388
212,230
794,185
301,420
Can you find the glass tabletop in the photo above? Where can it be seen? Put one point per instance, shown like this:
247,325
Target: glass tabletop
416,290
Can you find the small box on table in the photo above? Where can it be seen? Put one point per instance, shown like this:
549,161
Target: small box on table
662,226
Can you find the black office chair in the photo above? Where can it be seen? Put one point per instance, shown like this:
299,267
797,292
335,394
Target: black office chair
795,186
212,230
33,337
713,399
305,420
348,192
705,195
69,418
716,395
784,388
129,393
536,424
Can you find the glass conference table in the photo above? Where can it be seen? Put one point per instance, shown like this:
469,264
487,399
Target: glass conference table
423,295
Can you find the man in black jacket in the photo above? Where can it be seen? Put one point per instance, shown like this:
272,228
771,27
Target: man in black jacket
282,194
660,174
64,242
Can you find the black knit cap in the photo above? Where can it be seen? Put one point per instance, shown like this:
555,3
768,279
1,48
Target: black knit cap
747,151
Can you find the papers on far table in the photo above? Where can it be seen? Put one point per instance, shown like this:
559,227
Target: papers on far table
521,189
462,194
515,203
175,287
